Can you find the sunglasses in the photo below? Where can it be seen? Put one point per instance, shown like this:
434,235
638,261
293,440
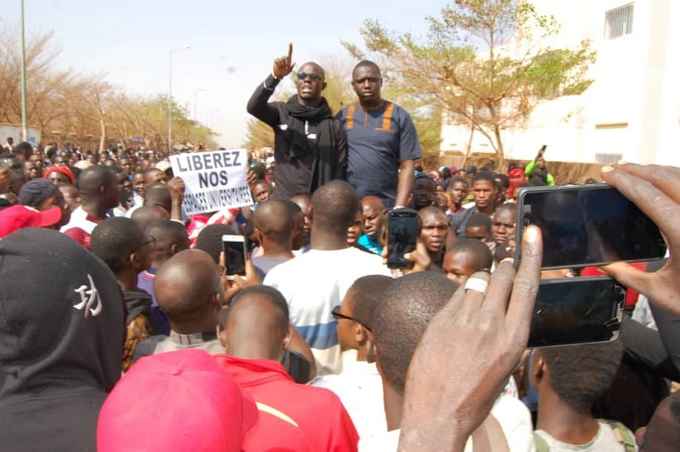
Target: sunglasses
312,77
337,315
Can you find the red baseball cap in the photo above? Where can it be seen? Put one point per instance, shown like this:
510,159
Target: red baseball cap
175,401
19,216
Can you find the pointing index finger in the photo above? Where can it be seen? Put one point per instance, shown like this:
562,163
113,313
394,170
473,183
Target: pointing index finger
290,52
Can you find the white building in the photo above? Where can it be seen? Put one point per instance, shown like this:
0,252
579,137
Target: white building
631,111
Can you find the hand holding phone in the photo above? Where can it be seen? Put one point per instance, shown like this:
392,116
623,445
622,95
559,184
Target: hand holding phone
588,225
655,190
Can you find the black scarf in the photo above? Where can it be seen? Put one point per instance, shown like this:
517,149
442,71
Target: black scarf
302,123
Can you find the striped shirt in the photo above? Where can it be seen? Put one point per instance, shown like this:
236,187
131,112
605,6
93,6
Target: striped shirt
313,284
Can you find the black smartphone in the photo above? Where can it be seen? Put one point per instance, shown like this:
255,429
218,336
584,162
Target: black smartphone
235,247
577,311
588,225
402,234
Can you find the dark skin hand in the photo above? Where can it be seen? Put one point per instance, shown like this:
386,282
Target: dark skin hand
655,190
284,65
467,353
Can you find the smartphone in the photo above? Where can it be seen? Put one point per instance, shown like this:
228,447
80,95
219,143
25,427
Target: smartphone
402,234
588,225
235,247
577,311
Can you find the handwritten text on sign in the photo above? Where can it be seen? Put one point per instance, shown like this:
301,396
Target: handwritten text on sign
214,180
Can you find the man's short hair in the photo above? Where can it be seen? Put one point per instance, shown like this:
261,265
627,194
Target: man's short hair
406,308
365,294
455,180
479,220
272,294
210,239
114,240
484,176
503,181
508,206
166,228
580,374
479,252
367,63
334,206
274,219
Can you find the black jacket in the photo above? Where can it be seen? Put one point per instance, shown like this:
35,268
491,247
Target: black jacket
62,328
294,173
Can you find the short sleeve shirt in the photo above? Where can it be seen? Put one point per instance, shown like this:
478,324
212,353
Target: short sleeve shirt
377,142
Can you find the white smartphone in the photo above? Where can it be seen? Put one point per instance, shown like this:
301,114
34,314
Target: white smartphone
234,247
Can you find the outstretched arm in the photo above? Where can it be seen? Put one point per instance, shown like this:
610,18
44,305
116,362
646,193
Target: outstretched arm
258,105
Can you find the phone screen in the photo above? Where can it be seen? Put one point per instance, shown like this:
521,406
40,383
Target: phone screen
590,225
402,236
576,311
235,254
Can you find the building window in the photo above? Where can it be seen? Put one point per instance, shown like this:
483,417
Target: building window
618,22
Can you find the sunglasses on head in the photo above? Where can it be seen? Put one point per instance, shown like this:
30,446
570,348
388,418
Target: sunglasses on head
312,77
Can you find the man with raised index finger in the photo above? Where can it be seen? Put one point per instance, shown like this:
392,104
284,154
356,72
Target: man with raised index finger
310,147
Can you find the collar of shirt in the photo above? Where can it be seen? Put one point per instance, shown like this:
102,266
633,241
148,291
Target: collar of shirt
253,372
192,339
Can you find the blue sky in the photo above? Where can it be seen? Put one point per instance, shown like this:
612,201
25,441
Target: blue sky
129,42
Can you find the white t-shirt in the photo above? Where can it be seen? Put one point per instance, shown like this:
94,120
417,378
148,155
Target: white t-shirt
359,387
513,417
604,441
313,284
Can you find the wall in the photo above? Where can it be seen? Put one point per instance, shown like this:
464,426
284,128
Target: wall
632,109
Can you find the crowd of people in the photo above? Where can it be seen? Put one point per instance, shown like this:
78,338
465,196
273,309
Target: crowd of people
122,327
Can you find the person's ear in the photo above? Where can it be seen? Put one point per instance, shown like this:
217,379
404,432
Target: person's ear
287,338
538,370
359,333
222,336
136,262
323,86
173,249
259,236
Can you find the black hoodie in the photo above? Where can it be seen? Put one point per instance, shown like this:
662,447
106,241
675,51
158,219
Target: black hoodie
62,328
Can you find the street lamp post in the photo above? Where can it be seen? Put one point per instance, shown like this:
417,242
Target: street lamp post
170,96
24,111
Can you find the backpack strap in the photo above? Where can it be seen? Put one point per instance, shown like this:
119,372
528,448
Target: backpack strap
624,436
349,123
489,437
540,443
387,117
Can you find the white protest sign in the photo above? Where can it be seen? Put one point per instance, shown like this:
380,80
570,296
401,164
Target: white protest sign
214,180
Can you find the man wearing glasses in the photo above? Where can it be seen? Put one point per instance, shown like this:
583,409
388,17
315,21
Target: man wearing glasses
382,141
310,147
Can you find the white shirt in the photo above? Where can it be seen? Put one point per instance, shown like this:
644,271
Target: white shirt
360,390
79,220
604,441
513,417
313,284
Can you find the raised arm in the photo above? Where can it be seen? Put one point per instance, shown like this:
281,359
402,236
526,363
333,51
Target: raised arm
259,105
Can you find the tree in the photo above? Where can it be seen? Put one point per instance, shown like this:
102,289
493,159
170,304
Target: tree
81,108
482,63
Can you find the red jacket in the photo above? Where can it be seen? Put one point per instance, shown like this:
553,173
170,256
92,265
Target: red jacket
318,412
